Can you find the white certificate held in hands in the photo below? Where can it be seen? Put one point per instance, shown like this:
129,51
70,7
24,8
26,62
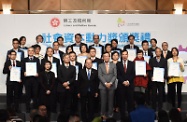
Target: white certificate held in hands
77,72
81,59
146,58
158,74
15,74
94,65
18,56
54,69
174,69
131,54
31,69
140,68
98,51
25,52
76,49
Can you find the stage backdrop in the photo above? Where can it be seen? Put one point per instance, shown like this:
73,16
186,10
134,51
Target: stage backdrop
170,28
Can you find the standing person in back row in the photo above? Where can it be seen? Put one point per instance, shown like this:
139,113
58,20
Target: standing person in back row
131,44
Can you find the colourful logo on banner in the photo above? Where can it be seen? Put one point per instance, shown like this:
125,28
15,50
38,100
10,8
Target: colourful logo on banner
182,49
120,22
55,22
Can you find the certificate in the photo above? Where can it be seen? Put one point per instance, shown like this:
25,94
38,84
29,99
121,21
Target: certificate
15,74
140,68
98,51
18,56
31,69
158,74
25,52
81,59
174,69
63,49
94,65
54,69
43,48
146,58
131,54
57,55
76,49
77,72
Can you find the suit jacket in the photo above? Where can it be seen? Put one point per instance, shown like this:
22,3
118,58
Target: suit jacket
150,53
61,54
55,60
85,84
98,61
107,77
79,65
64,75
129,75
47,81
19,50
169,55
102,47
7,71
128,47
162,64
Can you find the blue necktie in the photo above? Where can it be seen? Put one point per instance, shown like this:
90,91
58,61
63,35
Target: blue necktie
89,74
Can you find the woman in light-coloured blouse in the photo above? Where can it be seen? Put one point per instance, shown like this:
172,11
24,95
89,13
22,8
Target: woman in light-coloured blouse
175,82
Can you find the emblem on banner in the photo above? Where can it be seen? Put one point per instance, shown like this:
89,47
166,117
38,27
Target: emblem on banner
55,22
120,22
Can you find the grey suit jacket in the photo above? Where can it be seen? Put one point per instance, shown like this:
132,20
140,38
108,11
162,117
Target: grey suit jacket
107,77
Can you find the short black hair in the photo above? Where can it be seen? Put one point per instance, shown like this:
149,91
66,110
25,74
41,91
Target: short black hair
115,40
49,68
49,48
55,42
39,36
131,36
78,34
96,35
145,41
140,51
72,52
106,53
165,43
12,51
36,46
124,51
106,45
175,48
114,52
153,39
15,39
92,48
60,37
21,38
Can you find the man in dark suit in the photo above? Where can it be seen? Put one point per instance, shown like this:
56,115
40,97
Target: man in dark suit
78,39
57,51
125,75
31,82
165,52
93,56
66,77
49,57
145,48
158,62
15,44
96,43
88,90
131,45
13,87
78,67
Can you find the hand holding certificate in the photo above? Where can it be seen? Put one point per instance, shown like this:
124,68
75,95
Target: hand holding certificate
31,69
15,74
140,68
174,69
158,74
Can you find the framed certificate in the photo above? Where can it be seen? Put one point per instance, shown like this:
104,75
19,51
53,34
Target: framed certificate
146,58
76,49
15,74
18,56
140,68
98,51
174,69
31,69
94,65
131,54
158,74
77,72
25,52
54,69
81,59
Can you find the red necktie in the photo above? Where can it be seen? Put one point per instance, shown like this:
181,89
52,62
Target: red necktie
125,68
14,63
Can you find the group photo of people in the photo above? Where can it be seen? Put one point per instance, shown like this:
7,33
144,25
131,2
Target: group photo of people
94,83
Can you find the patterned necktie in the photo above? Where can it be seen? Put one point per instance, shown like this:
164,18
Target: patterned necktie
125,68
89,74
107,68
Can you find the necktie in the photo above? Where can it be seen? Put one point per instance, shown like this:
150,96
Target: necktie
89,74
14,63
107,68
125,68
131,47
30,59
145,53
164,54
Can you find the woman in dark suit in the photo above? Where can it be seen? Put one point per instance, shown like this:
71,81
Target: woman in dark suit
47,90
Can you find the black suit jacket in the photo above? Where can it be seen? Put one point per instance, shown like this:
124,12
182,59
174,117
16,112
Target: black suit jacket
103,49
98,61
61,54
64,75
128,47
162,64
55,60
19,50
129,75
7,71
169,55
85,83
79,65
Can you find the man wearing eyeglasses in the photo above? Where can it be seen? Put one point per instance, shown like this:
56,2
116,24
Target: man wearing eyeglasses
96,43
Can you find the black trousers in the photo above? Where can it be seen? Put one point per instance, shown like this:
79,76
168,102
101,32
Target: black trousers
65,99
172,93
87,107
126,96
31,89
13,95
157,95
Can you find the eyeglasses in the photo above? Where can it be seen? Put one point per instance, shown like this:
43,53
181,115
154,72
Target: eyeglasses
96,38
15,43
